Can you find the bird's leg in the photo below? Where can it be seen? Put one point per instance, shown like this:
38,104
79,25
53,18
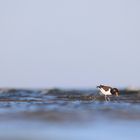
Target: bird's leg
107,98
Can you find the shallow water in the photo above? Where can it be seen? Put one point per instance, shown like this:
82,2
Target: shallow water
68,114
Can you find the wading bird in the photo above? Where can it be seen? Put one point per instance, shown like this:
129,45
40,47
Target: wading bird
107,90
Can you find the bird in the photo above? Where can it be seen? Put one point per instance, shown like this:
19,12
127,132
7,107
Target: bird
107,90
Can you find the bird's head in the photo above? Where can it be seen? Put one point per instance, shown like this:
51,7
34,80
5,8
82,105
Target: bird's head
100,86
115,91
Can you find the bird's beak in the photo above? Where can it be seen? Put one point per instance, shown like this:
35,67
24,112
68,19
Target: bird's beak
97,87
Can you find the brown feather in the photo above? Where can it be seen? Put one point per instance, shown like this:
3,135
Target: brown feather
106,88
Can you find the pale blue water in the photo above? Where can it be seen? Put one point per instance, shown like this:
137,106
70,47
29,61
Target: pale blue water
99,130
41,115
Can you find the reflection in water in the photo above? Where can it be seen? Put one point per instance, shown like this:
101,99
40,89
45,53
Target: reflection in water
68,114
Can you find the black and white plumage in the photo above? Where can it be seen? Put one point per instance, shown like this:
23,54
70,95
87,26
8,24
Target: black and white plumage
107,90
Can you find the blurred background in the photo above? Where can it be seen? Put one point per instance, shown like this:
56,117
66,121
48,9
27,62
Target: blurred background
53,54
70,44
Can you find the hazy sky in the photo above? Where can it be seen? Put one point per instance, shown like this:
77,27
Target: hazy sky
69,43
